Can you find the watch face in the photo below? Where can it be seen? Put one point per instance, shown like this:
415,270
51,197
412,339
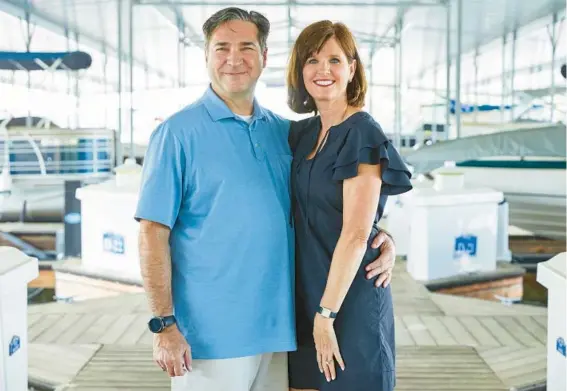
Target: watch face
155,325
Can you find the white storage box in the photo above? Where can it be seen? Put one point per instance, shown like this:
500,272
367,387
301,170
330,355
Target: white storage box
109,233
16,271
451,232
552,275
397,214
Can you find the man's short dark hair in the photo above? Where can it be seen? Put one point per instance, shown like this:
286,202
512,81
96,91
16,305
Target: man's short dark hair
235,13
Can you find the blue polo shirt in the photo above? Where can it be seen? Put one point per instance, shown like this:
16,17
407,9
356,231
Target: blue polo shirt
221,184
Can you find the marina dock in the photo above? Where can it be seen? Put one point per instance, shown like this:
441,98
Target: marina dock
443,343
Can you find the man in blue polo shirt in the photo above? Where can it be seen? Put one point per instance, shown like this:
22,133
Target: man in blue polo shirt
216,241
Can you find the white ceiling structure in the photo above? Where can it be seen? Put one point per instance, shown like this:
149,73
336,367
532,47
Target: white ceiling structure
158,25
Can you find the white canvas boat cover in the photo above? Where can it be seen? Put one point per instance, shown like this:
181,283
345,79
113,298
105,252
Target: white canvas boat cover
540,141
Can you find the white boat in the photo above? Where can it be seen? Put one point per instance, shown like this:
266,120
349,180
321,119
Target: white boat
527,164
36,161
533,186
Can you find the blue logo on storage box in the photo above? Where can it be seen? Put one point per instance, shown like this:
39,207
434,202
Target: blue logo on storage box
560,346
14,345
465,244
113,243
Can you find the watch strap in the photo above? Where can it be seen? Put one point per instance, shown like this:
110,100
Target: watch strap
159,323
168,320
327,313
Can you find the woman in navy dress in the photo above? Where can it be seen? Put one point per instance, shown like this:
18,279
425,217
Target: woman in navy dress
343,170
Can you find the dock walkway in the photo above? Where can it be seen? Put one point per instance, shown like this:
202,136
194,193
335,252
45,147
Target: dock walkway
443,343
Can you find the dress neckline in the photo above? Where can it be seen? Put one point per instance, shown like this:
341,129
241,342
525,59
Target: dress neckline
328,135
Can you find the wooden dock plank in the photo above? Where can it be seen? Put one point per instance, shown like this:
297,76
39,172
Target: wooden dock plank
515,328
499,332
541,320
443,342
133,334
480,333
93,333
147,338
33,318
458,331
517,366
55,365
418,331
459,305
118,327
403,336
442,368
438,330
63,324
45,323
121,367
423,368
79,328
533,327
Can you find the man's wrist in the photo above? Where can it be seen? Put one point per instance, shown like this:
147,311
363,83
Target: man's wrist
159,324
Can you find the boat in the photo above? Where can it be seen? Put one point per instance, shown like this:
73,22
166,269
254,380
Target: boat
523,157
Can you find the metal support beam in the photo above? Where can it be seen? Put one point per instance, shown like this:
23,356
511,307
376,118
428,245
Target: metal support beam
28,40
289,26
553,38
503,77
513,75
188,36
398,84
131,73
475,113
199,3
538,67
48,22
458,67
181,57
448,67
77,92
371,83
119,24
435,91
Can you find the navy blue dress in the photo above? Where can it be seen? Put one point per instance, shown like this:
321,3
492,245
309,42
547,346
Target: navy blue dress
365,323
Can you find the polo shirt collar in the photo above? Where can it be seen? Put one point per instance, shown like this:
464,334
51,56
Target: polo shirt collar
219,110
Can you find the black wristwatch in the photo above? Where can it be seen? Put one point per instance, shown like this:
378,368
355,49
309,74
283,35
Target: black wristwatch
159,323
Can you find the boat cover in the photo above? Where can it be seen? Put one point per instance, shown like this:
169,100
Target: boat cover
543,141
38,61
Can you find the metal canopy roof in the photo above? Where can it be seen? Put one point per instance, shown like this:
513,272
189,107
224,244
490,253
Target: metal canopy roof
157,25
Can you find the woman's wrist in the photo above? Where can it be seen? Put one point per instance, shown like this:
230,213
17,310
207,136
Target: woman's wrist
327,312
322,320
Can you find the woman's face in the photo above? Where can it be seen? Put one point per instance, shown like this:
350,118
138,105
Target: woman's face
326,74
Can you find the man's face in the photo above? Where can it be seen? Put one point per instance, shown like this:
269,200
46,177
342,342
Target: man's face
234,58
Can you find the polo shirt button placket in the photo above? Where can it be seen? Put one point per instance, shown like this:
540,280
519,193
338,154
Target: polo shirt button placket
255,143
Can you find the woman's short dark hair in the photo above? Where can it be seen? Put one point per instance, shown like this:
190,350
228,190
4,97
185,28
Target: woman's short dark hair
310,41
234,13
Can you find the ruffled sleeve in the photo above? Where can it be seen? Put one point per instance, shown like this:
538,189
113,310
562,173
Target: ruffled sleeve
366,143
